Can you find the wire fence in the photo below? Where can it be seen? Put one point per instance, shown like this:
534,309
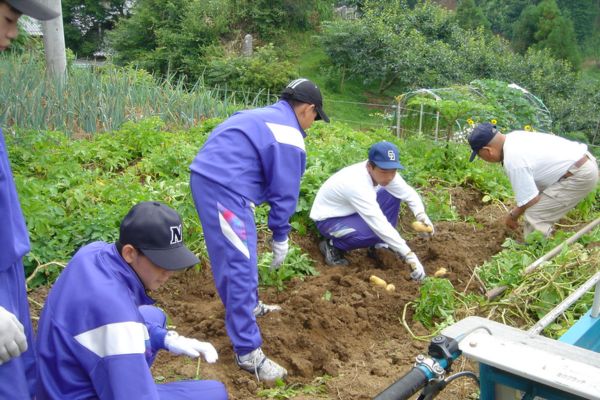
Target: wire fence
400,120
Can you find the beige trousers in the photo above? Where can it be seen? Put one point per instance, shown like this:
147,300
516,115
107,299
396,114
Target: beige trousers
557,199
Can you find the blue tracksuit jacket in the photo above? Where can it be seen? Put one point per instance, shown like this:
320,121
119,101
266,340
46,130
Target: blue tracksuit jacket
258,154
17,377
94,343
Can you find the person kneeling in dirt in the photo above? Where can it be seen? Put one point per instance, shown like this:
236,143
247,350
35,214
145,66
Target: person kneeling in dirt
98,333
358,207
549,174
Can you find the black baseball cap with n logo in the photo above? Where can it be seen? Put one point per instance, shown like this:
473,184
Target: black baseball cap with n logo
157,231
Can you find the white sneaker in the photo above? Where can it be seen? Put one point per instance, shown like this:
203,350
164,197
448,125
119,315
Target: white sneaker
256,362
263,309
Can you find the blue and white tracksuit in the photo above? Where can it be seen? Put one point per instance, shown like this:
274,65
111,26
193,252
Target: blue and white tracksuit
17,376
98,335
255,156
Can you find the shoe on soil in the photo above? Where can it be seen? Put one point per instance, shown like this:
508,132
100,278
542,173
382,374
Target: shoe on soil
333,255
262,367
262,309
372,253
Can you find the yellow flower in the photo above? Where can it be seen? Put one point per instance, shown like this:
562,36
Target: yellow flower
493,122
528,128
470,121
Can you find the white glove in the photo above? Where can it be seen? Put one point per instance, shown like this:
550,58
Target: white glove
424,219
12,336
418,272
190,347
280,250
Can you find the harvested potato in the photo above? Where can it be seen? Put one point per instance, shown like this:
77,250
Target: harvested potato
421,227
390,288
377,281
441,272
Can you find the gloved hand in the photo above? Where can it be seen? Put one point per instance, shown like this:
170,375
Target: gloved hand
418,272
424,219
280,250
12,336
190,347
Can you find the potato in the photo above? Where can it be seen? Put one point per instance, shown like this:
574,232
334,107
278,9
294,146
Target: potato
377,281
441,272
421,227
390,288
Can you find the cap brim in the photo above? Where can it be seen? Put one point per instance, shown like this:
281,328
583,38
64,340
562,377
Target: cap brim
33,9
389,164
321,114
172,259
473,155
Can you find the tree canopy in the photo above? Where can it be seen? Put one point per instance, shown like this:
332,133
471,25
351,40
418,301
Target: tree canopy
87,21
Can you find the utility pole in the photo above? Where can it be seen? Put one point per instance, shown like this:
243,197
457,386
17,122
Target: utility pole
54,42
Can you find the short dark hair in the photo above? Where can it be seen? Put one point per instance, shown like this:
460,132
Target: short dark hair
293,103
117,243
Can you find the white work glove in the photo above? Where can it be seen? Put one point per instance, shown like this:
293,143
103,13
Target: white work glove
12,336
190,347
280,250
424,219
418,272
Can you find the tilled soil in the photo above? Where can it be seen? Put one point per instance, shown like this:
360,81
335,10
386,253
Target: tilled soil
336,323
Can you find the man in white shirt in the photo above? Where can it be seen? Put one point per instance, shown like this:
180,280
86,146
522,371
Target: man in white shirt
549,174
358,207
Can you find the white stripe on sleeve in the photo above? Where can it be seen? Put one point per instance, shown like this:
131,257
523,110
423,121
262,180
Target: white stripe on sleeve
287,135
115,339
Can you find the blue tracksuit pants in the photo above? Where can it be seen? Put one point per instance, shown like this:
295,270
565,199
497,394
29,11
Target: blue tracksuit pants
18,376
183,390
352,232
230,234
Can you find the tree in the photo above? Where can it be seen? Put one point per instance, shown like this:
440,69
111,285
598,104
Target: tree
170,36
174,36
583,14
502,14
544,27
270,18
87,21
469,16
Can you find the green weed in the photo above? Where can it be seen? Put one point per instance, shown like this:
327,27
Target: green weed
435,304
296,264
316,389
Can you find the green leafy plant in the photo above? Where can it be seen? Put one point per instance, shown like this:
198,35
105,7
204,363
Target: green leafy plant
296,264
532,295
435,304
281,391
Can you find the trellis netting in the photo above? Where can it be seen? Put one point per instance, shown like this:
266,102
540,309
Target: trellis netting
451,113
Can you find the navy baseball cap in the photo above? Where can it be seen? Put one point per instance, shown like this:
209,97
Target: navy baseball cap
157,231
307,92
385,155
33,9
482,134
